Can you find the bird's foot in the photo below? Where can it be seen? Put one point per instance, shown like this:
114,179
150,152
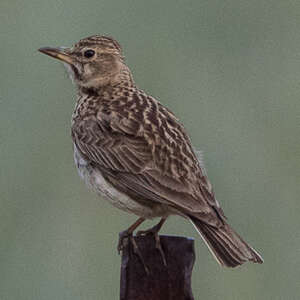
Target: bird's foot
126,236
123,235
154,231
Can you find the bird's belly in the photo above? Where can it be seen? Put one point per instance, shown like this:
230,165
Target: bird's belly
95,180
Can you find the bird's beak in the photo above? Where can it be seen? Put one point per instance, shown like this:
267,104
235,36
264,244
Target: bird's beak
58,53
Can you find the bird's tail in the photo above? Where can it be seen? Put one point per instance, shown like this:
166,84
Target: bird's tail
226,245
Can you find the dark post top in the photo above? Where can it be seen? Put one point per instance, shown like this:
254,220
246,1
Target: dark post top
163,282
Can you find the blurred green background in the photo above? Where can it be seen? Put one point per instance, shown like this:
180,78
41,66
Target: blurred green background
229,69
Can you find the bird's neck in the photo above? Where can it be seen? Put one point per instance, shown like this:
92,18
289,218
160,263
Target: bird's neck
125,78
91,99
122,80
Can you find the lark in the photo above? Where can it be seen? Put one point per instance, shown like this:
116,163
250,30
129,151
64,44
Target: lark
135,153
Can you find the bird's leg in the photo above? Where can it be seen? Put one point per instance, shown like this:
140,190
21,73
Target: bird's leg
128,233
154,230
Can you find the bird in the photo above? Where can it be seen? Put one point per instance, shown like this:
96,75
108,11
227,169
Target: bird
134,152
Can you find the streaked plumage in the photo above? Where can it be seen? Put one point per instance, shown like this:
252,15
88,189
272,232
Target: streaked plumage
135,152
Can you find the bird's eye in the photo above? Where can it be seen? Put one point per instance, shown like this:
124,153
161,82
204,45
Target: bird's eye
89,53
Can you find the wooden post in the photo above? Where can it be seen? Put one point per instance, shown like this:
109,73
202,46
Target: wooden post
163,282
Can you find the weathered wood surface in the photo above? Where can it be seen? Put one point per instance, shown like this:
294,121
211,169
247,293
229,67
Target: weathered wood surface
163,282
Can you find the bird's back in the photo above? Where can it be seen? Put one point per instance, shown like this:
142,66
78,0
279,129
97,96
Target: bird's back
142,149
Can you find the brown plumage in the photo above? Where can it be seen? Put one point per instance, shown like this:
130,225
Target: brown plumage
135,152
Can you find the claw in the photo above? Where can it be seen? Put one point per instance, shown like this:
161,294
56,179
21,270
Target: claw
127,233
122,236
158,246
137,251
154,230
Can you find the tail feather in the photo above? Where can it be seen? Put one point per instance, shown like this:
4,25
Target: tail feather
228,248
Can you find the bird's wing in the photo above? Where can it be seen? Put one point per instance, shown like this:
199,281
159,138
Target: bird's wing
150,158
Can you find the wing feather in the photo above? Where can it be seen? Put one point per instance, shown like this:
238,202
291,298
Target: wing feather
151,163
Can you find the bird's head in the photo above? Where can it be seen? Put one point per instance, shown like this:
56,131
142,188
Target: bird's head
93,62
